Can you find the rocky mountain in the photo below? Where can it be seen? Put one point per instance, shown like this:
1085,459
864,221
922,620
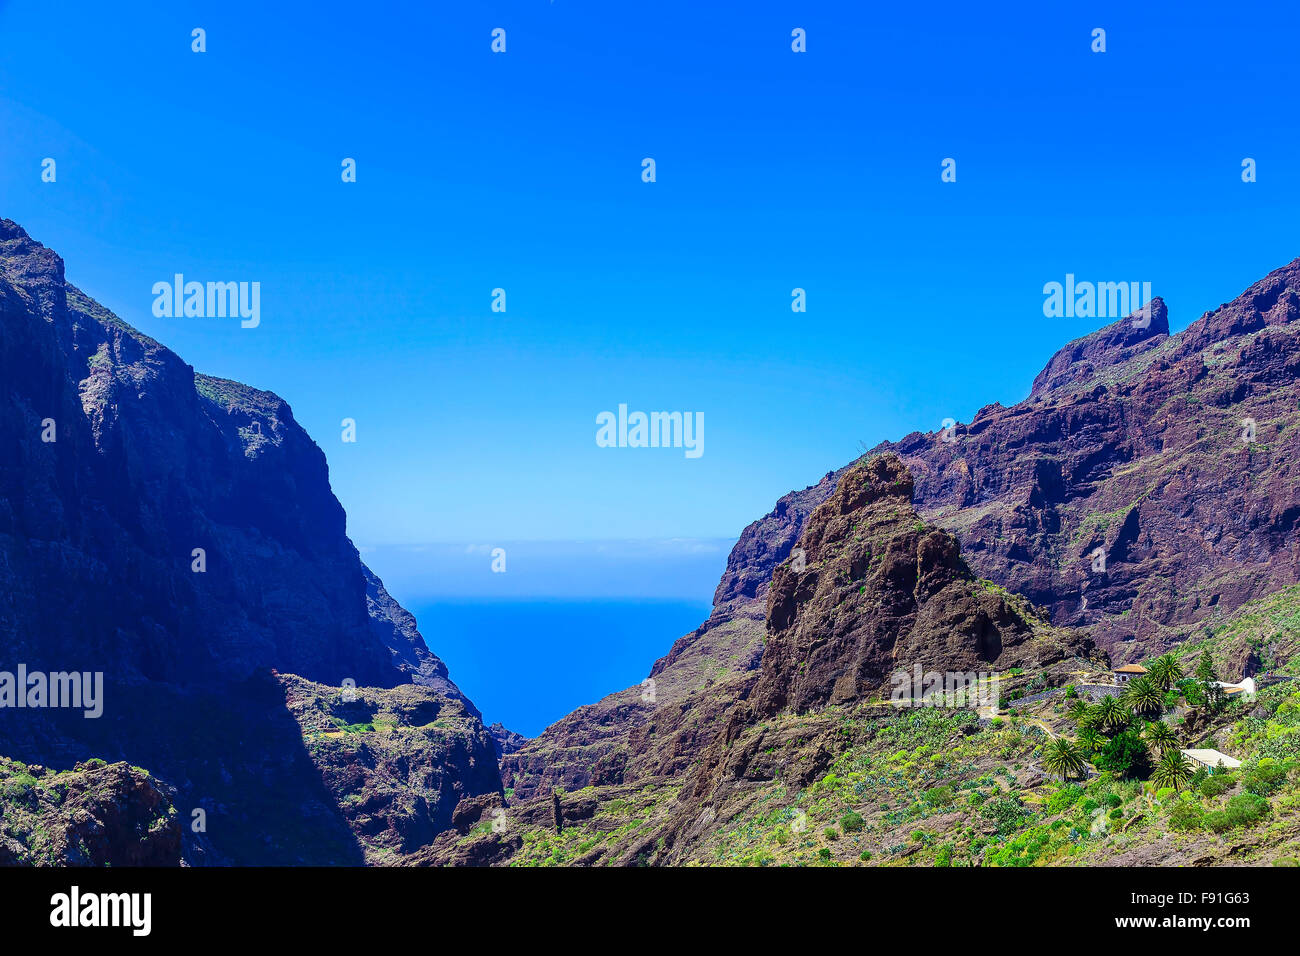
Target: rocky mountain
1149,484
877,590
1172,454
872,590
177,533
1143,494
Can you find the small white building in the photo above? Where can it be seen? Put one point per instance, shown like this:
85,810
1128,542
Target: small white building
1211,759
1246,688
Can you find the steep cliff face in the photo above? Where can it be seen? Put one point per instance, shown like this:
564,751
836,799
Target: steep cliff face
1149,484
766,543
147,463
176,532
398,760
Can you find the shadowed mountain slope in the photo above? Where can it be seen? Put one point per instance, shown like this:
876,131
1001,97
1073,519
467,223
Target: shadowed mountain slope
178,533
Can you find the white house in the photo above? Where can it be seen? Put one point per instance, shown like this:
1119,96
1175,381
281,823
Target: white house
1212,759
1246,688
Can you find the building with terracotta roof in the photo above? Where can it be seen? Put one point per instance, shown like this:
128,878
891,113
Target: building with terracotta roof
1127,672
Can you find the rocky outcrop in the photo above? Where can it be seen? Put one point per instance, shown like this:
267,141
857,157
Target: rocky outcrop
1148,486
765,544
177,532
95,814
880,591
398,761
1083,359
504,740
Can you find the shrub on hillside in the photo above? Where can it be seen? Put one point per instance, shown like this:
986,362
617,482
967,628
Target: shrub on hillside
939,796
1264,778
1186,816
852,822
1006,813
1243,810
1216,785
1126,755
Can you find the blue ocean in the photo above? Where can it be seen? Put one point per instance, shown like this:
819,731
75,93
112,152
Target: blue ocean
529,662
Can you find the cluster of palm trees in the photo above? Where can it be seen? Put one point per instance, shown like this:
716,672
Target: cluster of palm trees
1142,702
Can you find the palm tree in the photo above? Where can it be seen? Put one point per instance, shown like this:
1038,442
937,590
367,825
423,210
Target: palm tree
1160,737
1144,697
1172,771
1063,759
1165,671
1078,711
1090,740
1092,717
1111,716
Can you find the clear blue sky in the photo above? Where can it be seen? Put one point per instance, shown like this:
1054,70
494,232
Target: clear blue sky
522,171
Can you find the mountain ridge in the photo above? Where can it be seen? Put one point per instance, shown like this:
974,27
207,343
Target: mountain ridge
1032,493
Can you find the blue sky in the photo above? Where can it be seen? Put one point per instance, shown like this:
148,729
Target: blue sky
522,171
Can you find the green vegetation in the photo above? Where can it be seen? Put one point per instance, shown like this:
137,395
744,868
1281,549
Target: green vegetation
1243,810
1063,759
937,787
1173,770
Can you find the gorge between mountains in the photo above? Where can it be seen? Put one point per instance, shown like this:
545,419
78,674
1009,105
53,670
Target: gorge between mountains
229,694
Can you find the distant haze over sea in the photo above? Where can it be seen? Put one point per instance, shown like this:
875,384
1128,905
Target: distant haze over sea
669,569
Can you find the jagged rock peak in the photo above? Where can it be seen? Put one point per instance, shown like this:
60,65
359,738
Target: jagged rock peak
1118,342
876,589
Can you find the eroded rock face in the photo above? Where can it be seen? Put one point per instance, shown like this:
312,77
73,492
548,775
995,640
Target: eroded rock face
95,814
399,761
99,530
1083,358
1122,494
149,463
880,591
505,741
766,543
